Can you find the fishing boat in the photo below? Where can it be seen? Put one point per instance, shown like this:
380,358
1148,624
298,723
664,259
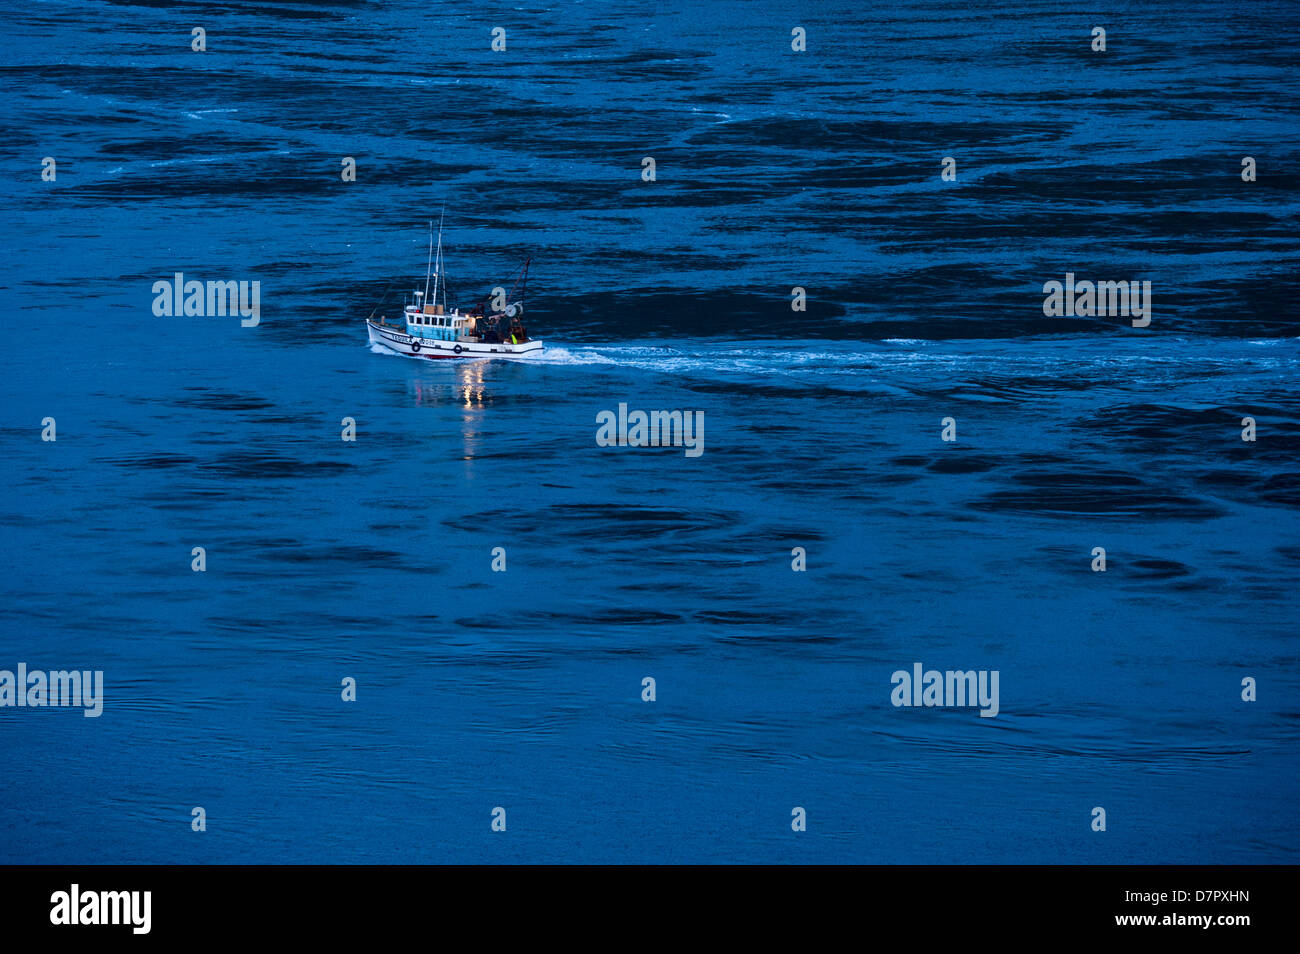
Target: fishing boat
430,328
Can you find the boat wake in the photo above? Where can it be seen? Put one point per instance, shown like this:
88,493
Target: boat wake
763,358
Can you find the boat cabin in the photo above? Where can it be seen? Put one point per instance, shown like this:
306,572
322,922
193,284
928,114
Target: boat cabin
432,321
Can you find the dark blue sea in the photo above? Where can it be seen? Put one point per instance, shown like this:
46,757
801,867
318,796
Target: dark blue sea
371,560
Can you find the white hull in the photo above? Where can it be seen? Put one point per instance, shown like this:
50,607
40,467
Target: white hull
392,338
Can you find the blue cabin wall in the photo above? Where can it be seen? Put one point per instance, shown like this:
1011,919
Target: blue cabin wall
434,332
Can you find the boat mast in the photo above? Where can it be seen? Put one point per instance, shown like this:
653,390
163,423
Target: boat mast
430,267
438,271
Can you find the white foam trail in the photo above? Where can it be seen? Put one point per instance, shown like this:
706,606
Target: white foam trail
758,358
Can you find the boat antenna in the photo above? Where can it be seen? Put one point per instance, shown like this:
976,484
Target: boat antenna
438,272
430,268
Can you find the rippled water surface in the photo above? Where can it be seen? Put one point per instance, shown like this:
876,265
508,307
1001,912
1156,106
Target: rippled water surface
522,689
